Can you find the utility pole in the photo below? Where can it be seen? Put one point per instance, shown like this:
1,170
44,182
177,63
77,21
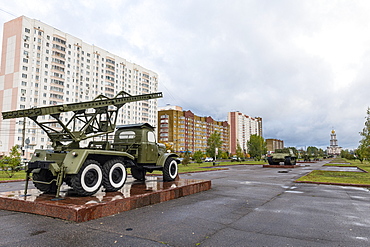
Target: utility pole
23,135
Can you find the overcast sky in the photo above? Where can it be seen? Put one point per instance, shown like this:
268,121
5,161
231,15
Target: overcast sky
303,66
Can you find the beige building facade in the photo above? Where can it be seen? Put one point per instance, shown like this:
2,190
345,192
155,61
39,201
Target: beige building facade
273,144
186,131
41,66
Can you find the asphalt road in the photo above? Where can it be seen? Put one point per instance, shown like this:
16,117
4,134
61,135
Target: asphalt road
247,206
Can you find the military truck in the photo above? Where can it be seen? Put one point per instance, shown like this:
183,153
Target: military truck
103,162
285,155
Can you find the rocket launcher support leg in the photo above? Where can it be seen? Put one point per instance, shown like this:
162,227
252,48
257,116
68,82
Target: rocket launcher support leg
27,180
59,182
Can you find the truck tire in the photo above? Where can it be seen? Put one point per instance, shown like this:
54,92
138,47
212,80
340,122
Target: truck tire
170,169
269,159
89,178
114,175
138,173
289,161
293,161
271,162
45,176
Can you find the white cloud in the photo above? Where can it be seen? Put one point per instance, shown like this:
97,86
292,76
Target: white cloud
300,65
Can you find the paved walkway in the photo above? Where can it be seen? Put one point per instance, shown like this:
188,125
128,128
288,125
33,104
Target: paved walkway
247,206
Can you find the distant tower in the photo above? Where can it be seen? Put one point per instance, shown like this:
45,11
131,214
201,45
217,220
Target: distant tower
333,139
333,149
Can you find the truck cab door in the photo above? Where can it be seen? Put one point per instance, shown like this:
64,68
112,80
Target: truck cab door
152,148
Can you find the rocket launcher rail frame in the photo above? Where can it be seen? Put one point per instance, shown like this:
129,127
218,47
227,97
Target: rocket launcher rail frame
98,102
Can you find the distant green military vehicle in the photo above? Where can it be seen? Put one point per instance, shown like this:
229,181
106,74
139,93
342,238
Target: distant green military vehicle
285,155
102,162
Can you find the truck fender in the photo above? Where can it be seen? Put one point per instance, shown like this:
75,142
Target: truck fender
164,157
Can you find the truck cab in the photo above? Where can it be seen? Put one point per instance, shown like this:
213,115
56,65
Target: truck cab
139,140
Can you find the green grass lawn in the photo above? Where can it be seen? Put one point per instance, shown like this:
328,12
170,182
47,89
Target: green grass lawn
336,177
208,166
17,176
340,177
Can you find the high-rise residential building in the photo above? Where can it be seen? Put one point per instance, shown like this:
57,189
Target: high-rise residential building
241,129
273,144
333,149
41,66
187,132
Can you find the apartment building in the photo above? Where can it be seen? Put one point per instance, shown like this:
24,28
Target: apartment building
241,129
273,144
186,131
41,66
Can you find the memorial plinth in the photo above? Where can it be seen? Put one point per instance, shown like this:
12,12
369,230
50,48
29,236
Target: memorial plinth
79,209
280,166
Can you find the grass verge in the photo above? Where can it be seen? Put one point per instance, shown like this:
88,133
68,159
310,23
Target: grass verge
318,176
17,176
208,166
340,177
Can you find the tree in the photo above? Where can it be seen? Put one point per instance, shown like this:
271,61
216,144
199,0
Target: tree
223,155
186,159
364,147
361,152
346,154
256,147
214,141
10,163
321,152
239,151
197,156
312,152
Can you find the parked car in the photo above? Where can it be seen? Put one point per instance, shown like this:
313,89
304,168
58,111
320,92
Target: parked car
235,158
208,159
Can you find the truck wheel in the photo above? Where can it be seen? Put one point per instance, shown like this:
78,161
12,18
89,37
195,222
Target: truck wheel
88,179
138,174
288,161
269,159
170,170
114,175
45,176
293,161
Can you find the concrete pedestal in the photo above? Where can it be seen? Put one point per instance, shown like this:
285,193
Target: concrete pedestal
79,209
280,166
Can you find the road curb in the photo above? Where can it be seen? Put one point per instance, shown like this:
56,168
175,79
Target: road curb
10,181
341,184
